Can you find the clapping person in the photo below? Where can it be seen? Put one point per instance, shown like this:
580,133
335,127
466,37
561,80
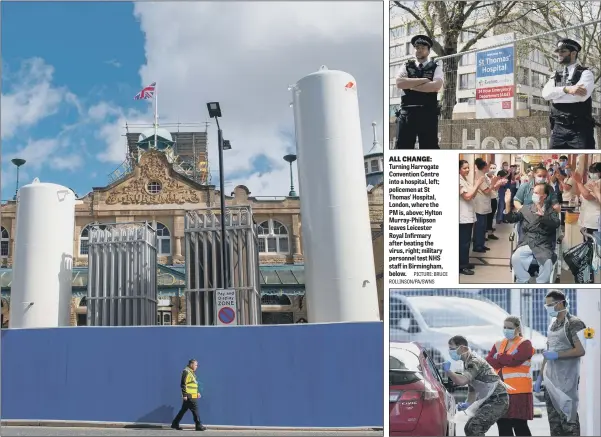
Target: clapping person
467,216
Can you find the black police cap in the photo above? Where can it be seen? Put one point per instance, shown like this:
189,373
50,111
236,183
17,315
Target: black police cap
421,39
569,44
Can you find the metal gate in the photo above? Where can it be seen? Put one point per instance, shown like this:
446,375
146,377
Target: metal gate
205,267
122,275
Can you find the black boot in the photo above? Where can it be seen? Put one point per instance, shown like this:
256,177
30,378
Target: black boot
200,427
176,426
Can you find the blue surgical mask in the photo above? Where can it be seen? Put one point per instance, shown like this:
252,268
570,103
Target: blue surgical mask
535,198
509,334
551,310
540,180
593,176
563,164
454,355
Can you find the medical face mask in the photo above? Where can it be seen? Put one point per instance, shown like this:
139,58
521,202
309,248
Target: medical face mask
535,198
593,176
540,180
454,354
509,334
563,164
551,309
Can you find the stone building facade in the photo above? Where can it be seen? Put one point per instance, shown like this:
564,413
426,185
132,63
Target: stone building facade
156,193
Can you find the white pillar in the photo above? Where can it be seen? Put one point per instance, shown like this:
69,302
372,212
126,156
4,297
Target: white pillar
589,311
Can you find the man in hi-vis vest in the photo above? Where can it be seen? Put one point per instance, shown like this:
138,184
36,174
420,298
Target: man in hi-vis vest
190,395
511,357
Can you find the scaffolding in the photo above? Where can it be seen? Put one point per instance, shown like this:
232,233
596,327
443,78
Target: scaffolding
122,281
204,265
188,154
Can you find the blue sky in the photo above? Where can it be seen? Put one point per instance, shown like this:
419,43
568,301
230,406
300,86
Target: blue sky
70,71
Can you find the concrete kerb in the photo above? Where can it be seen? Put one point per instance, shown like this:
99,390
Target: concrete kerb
82,424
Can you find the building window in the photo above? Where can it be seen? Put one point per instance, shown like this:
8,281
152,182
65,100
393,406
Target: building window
84,239
164,318
407,49
273,237
469,59
366,170
4,242
537,100
164,240
522,98
394,71
374,165
154,187
467,81
414,28
396,52
471,101
397,32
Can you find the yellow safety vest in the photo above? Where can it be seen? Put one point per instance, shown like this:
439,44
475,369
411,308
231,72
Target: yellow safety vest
191,384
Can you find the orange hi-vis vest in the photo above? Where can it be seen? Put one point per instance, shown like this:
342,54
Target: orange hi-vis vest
518,377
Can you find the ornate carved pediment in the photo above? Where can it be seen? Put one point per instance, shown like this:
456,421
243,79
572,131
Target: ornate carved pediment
152,184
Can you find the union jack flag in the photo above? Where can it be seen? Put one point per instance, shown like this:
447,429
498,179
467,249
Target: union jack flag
146,93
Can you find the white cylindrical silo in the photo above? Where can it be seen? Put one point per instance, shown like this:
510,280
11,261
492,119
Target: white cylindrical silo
43,261
339,264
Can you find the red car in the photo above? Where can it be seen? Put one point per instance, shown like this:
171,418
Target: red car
420,400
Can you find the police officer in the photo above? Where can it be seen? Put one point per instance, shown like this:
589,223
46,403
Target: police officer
570,90
420,80
190,396
487,398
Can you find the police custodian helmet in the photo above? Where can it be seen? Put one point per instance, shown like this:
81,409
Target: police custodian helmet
421,39
569,44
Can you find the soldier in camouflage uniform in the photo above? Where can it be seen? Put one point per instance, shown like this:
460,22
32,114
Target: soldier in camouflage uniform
561,367
484,388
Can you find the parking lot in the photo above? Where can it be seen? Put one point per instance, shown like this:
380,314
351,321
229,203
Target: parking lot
538,426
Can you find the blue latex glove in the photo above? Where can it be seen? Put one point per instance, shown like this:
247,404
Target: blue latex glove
515,351
446,366
462,406
550,355
538,383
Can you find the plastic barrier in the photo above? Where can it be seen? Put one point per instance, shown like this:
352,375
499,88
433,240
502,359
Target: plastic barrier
328,375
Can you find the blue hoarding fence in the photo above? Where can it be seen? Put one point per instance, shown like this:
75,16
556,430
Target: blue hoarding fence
322,375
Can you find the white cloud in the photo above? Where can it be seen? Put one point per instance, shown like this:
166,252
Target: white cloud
69,162
36,152
114,63
245,55
32,99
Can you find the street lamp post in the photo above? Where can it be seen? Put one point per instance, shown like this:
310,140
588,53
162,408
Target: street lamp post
18,162
215,112
290,159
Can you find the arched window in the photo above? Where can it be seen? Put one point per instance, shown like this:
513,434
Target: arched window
84,240
273,237
4,242
164,240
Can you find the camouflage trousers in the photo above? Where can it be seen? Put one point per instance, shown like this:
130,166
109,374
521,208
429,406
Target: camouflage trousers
487,415
558,422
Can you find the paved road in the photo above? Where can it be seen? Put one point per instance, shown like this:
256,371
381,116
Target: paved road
538,426
54,431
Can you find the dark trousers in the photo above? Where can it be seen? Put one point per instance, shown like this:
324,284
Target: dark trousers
572,137
480,232
490,218
416,123
501,204
592,274
191,405
509,426
465,238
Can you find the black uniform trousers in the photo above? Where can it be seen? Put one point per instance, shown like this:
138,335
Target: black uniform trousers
572,137
414,123
188,404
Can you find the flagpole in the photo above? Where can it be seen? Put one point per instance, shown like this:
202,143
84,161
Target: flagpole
156,114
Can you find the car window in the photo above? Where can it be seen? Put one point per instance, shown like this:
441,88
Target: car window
405,368
432,368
